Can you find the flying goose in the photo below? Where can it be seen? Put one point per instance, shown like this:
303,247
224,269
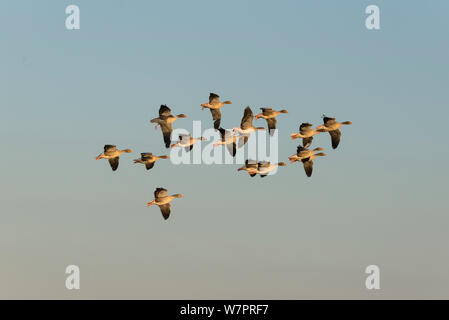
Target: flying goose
112,154
148,159
214,105
306,132
303,153
163,200
227,139
246,127
265,167
187,142
331,125
270,115
250,167
165,120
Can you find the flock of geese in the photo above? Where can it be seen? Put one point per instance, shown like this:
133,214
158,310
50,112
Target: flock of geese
232,139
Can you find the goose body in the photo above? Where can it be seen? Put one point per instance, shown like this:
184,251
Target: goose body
112,154
162,199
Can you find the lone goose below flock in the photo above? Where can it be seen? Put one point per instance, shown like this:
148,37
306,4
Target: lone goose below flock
162,200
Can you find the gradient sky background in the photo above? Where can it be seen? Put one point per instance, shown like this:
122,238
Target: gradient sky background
380,198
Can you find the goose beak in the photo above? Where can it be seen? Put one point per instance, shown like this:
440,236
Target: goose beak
149,204
173,145
99,157
257,116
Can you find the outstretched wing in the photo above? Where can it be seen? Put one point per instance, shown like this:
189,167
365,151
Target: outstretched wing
242,140
150,165
328,121
165,210
110,148
335,137
232,148
308,166
164,111
306,142
247,120
114,163
166,132
271,122
160,193
214,98
216,116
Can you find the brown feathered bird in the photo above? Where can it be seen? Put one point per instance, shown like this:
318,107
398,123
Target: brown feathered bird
149,159
214,105
163,200
332,126
270,116
112,154
165,120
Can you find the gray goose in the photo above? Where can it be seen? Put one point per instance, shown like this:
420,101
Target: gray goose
149,159
112,154
332,126
246,127
308,163
228,140
165,120
306,132
214,105
187,142
270,116
163,200
265,167
303,153
250,167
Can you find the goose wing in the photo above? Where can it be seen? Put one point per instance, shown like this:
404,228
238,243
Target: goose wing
308,166
271,122
114,163
335,138
160,193
214,98
167,129
306,142
216,116
165,210
110,148
149,165
164,111
247,120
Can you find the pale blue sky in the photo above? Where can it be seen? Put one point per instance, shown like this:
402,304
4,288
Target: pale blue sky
380,198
